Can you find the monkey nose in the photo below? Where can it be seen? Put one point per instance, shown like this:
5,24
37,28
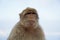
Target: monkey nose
31,16
31,22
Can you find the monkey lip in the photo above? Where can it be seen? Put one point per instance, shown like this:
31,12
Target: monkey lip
31,22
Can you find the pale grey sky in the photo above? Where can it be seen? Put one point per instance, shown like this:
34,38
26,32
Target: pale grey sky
48,10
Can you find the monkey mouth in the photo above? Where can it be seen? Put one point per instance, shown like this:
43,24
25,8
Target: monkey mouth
30,23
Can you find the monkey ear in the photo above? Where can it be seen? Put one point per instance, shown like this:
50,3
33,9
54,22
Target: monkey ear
20,15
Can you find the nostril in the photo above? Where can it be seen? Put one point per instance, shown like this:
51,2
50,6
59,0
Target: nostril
31,21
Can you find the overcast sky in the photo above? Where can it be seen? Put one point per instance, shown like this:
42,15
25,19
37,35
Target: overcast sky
48,11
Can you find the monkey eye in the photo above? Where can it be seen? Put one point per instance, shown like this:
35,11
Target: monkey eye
29,13
33,13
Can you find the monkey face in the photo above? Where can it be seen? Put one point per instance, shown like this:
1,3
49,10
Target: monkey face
29,17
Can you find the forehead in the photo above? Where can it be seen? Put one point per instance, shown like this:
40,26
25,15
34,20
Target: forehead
27,10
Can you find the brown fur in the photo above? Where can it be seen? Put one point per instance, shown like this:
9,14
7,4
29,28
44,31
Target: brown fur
22,31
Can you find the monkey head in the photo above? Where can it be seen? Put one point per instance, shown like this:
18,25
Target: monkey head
29,17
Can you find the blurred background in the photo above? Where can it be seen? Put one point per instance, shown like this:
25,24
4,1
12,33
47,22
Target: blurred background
48,11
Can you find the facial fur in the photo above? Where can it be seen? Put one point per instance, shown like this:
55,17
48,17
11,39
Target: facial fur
29,17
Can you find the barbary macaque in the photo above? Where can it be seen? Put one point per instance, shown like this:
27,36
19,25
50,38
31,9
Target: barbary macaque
28,27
